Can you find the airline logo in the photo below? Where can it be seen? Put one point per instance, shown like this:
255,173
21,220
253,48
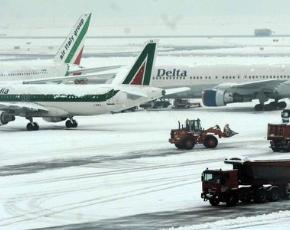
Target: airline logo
71,50
4,91
140,74
171,73
71,39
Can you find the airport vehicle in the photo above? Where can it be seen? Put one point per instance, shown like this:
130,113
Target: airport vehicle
184,104
66,61
156,104
279,134
60,102
186,137
248,181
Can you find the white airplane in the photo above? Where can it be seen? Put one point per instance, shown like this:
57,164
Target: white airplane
59,102
220,85
66,61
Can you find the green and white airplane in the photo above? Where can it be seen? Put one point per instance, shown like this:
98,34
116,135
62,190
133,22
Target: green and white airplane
66,61
60,102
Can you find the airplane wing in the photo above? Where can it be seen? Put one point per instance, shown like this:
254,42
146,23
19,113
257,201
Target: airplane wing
96,77
22,107
256,85
93,70
241,92
176,90
131,91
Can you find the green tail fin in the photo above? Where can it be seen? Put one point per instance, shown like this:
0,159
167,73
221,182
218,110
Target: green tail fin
71,49
141,71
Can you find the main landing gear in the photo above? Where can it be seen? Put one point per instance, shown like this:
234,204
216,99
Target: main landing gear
271,106
71,123
32,126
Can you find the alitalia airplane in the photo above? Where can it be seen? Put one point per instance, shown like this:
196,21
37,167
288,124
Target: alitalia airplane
66,61
220,85
60,102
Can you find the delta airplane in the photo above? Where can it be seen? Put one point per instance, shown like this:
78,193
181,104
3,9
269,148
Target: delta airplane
60,102
220,85
66,61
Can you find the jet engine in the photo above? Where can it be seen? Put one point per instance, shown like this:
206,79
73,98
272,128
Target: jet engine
221,97
5,118
54,119
216,97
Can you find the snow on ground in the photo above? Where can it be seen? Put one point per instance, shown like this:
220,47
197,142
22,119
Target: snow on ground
279,220
118,166
119,171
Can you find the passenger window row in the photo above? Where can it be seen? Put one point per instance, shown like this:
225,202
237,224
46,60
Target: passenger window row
22,74
225,77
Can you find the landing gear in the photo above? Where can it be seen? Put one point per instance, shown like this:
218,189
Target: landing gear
71,123
271,106
32,126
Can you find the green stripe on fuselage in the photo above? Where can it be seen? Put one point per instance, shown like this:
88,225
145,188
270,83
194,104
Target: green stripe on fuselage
78,41
57,97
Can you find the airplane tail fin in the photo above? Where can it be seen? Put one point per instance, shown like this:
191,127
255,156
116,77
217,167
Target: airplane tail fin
71,49
141,71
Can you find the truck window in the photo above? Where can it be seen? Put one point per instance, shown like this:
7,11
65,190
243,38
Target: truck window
210,177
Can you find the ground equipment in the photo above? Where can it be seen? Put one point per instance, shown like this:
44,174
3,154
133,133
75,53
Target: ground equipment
248,181
184,104
279,134
186,137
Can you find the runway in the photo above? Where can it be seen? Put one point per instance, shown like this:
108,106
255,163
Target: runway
119,171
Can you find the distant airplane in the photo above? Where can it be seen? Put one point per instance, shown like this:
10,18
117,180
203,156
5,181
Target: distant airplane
220,85
66,61
60,102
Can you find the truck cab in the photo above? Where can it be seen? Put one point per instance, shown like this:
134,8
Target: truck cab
216,184
193,126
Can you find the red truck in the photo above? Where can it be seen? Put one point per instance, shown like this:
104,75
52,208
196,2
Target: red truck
249,181
279,134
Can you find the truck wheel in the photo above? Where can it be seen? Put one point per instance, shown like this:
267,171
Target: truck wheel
275,149
179,146
214,202
188,143
245,196
245,199
210,142
231,200
260,195
273,194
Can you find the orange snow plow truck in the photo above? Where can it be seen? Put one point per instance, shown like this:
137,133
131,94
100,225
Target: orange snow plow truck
190,134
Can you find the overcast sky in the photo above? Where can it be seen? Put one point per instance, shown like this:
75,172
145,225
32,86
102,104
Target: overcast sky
147,17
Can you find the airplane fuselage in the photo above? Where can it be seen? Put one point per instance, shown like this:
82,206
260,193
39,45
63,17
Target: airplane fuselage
31,70
73,100
202,77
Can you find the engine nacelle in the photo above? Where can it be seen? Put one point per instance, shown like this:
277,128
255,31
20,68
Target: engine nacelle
54,119
217,97
5,118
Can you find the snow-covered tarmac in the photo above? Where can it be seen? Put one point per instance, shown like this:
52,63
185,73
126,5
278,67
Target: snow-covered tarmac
119,172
